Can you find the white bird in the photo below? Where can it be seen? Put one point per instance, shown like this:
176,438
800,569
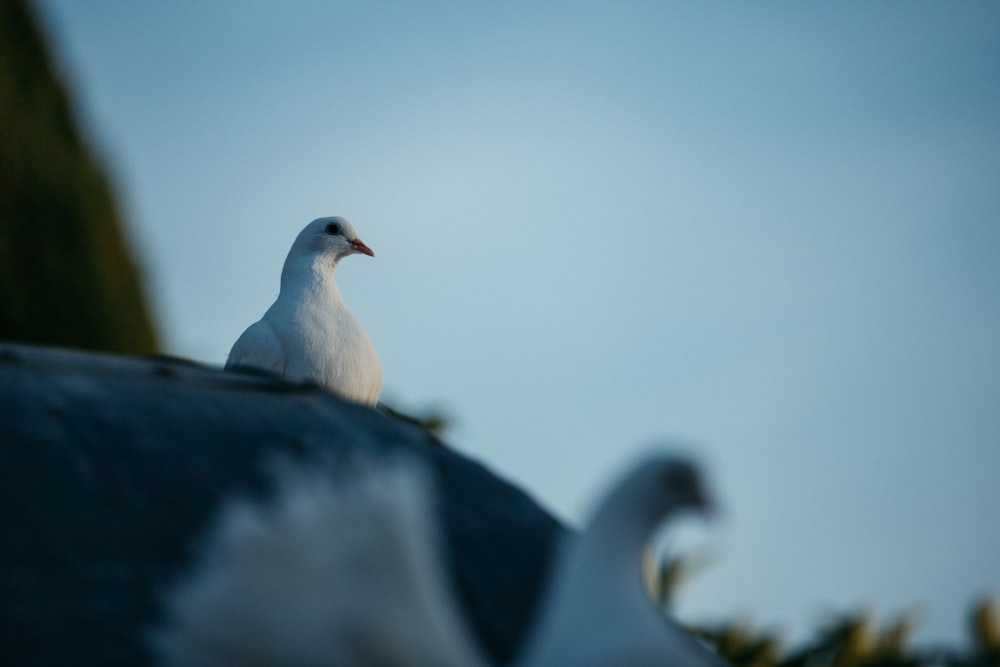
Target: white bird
597,611
353,576
308,333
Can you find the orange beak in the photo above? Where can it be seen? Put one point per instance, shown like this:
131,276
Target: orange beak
362,248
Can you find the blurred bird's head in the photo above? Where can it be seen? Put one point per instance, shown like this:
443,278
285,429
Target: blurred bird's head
655,489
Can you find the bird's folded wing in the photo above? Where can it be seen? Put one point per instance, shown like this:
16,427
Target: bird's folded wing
258,347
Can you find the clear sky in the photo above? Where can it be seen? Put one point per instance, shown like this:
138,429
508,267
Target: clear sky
769,231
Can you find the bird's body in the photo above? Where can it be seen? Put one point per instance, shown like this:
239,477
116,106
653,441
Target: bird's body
309,333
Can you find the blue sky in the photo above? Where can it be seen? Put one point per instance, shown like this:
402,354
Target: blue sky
770,232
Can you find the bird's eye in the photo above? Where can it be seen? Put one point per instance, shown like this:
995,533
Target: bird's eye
333,228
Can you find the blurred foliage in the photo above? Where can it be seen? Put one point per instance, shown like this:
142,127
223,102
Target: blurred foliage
434,421
851,640
665,575
855,641
66,276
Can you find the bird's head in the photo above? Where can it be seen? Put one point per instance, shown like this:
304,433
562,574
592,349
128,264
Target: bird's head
333,236
658,487
682,487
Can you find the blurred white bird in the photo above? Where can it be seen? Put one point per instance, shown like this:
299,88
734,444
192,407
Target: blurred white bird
597,611
308,333
352,575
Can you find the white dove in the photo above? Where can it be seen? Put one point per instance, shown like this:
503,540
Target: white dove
308,333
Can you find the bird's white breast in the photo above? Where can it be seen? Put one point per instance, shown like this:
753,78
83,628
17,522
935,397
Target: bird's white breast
324,343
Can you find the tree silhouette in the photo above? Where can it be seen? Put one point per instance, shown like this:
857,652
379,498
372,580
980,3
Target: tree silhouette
66,275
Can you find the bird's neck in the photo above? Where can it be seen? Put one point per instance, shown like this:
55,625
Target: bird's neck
616,539
597,575
312,277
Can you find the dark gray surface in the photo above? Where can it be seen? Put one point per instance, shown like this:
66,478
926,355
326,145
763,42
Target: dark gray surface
111,469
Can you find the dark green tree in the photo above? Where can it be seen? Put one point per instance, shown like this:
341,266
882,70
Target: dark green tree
66,274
